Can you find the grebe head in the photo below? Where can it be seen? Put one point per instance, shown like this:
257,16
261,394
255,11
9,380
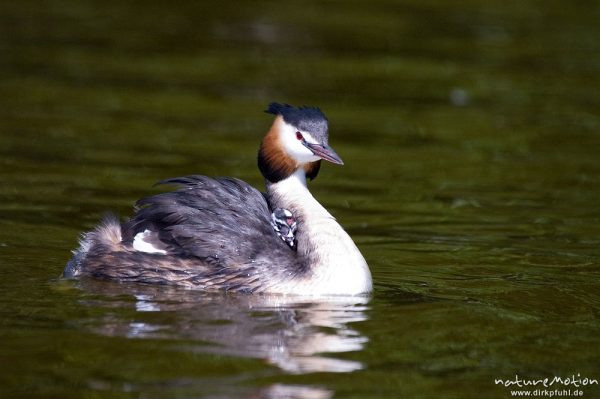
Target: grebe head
297,139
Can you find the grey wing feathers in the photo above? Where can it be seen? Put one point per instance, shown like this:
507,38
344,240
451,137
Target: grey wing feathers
223,221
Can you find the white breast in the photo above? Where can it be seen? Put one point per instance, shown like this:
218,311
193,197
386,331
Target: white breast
337,266
342,270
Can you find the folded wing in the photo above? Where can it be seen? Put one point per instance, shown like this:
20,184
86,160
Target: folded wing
224,222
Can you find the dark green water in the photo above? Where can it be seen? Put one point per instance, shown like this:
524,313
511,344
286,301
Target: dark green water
471,136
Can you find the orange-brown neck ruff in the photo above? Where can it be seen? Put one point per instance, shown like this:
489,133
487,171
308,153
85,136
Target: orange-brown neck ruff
274,163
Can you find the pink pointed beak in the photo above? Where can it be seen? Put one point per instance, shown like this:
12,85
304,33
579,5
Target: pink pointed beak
325,152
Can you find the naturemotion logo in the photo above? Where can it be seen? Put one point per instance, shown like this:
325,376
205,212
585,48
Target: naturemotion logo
558,385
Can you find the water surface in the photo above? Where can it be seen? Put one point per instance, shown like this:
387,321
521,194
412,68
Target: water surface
470,134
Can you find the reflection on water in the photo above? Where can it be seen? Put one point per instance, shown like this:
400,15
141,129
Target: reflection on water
294,391
273,391
298,335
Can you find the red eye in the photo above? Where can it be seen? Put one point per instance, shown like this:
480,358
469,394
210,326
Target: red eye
299,136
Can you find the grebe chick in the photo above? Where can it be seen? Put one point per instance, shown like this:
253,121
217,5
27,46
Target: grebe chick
222,234
285,225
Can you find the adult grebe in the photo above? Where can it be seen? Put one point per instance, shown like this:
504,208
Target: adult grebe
218,233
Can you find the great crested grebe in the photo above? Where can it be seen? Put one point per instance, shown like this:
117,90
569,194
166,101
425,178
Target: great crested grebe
224,234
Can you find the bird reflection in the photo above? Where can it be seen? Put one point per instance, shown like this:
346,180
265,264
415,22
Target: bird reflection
298,335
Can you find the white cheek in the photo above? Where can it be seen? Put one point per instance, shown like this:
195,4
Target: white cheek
294,147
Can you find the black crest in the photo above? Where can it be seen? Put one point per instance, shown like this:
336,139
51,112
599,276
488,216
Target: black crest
308,119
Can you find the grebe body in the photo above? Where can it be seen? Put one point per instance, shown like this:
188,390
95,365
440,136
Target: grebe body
218,234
